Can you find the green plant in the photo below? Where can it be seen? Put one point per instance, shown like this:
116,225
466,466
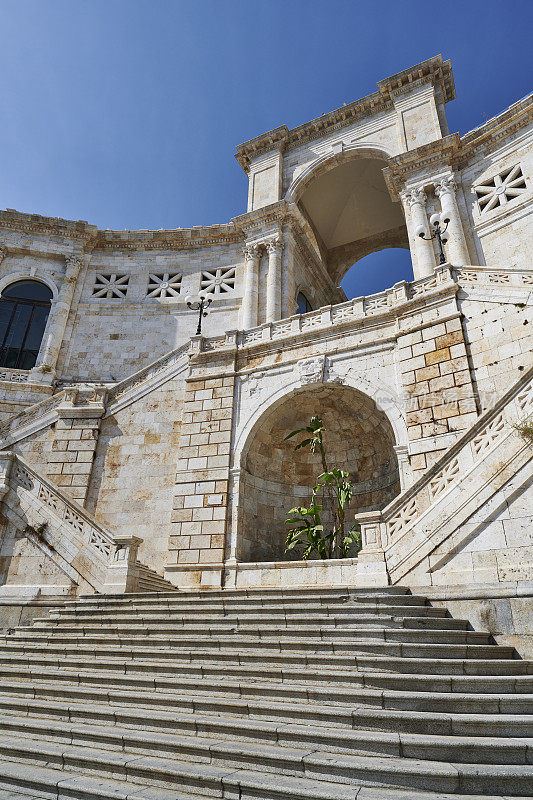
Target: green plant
525,429
306,524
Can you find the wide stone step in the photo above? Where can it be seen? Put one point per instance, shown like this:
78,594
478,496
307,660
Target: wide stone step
45,783
442,663
262,593
301,621
207,729
174,602
221,770
155,675
366,690
256,612
423,630
281,701
448,644
392,720
217,626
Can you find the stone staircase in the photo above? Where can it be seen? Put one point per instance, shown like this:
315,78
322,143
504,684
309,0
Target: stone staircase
329,693
151,581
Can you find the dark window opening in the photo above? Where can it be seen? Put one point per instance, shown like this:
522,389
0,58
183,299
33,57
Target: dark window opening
24,309
303,304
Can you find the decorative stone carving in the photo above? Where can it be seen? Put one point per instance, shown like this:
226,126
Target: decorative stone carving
311,370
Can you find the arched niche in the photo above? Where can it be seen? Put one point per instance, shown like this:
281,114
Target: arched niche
273,477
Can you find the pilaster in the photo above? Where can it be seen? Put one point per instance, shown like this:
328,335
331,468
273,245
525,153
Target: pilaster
45,367
202,478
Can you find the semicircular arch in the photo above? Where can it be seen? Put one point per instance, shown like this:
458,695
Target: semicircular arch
384,398
39,277
329,161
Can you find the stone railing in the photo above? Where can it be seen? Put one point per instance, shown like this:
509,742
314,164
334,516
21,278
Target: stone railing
337,315
29,414
102,561
386,528
366,307
15,375
472,276
146,373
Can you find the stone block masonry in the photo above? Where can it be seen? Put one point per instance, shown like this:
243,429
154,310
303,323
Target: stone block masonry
436,378
71,458
202,477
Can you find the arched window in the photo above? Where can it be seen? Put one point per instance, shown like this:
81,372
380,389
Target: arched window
24,309
303,303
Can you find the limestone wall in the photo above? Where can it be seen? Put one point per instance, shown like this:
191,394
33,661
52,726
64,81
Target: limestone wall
108,338
133,475
499,340
498,232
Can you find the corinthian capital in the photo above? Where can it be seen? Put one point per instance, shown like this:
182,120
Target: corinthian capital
275,246
446,185
3,252
415,196
73,264
252,251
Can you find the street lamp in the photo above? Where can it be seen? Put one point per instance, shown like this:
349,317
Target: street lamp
441,234
201,303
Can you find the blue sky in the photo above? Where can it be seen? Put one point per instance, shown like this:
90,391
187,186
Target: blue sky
126,113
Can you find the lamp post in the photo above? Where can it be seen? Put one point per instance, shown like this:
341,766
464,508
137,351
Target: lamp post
441,234
200,303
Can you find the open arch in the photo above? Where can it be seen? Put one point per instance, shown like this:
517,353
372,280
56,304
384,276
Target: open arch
274,478
345,199
377,271
24,309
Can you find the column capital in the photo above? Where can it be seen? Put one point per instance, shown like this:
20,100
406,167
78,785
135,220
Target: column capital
274,246
252,250
73,264
445,185
416,196
3,252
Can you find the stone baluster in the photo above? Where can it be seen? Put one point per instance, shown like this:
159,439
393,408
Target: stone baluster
55,330
456,248
424,262
250,298
273,292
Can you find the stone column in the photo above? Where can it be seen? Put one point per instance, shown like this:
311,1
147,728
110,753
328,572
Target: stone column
456,248
425,256
273,293
57,321
250,298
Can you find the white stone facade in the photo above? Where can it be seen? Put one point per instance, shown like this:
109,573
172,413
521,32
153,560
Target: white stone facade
175,439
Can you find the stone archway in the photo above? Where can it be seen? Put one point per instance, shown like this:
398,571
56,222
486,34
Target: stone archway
348,206
274,478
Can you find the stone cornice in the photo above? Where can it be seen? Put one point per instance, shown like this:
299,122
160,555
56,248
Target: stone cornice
420,161
434,71
51,226
454,151
489,135
261,217
176,239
